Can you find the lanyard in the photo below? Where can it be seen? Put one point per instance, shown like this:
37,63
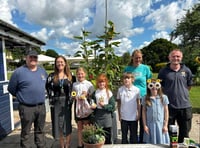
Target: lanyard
61,81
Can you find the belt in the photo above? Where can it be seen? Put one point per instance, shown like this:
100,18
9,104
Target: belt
31,105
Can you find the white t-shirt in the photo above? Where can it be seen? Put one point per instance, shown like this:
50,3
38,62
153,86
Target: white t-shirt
85,85
102,94
128,97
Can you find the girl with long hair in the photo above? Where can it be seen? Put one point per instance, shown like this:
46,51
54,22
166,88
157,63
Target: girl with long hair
105,106
59,87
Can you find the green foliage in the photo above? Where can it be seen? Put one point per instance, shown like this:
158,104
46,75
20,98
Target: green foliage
48,66
93,134
187,30
126,58
105,60
156,52
189,26
160,66
51,53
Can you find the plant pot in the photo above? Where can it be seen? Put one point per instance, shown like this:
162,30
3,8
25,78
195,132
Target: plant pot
97,145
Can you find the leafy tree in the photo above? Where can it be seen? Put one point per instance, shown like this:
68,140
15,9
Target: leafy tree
51,53
188,30
126,58
157,52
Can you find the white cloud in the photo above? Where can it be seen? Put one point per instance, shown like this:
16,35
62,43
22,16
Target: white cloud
42,34
69,48
60,20
162,34
167,15
5,11
125,46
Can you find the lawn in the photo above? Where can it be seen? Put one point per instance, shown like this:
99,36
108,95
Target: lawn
194,98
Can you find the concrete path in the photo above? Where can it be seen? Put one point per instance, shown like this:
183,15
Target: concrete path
13,139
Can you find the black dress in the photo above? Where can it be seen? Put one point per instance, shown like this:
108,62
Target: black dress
61,105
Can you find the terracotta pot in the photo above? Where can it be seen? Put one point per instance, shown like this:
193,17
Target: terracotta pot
97,145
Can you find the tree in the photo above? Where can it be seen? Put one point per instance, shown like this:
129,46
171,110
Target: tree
126,58
157,52
188,30
51,53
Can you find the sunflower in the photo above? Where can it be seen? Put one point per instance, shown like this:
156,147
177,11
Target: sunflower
73,94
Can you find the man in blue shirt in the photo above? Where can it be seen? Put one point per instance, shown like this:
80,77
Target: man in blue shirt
27,84
176,82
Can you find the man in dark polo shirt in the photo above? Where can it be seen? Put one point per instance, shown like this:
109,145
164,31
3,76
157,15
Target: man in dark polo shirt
27,84
176,82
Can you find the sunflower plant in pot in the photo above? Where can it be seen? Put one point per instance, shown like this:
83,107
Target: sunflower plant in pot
93,136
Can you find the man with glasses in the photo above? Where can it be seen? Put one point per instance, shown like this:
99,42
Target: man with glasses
27,84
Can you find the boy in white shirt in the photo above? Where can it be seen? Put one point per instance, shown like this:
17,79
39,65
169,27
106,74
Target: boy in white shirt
128,100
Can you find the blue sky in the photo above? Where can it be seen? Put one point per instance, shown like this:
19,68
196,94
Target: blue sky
139,22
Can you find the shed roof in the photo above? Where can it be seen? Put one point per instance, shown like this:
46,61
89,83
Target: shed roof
15,37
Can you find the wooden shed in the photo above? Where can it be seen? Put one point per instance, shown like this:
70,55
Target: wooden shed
10,37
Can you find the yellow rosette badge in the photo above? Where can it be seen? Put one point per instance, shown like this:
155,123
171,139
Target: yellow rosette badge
73,94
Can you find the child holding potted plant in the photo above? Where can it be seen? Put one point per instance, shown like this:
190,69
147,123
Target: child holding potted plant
105,105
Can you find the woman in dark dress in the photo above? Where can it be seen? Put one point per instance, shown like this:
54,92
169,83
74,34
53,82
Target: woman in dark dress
59,86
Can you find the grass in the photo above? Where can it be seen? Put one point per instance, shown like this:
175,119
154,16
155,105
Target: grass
194,98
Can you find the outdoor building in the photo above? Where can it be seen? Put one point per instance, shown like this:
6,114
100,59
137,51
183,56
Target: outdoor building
11,37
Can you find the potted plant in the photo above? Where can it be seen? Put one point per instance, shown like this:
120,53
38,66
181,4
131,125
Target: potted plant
93,136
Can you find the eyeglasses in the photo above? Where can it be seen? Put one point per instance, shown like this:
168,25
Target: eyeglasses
156,85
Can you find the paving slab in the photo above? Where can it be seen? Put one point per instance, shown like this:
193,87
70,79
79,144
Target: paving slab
13,139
